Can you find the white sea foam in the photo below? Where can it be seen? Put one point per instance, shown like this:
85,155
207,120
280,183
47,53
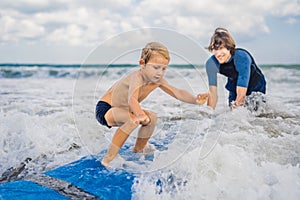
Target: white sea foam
200,154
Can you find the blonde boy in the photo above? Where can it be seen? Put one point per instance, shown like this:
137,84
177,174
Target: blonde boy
120,105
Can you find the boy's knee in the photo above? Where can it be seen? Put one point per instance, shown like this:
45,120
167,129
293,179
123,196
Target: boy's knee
132,123
152,116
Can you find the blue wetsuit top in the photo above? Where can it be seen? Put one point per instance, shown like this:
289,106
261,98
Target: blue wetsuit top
242,62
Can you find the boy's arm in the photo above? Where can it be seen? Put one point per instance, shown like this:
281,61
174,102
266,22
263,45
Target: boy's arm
179,94
133,94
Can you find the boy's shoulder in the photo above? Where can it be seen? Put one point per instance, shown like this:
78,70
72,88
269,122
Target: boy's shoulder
133,74
135,77
163,83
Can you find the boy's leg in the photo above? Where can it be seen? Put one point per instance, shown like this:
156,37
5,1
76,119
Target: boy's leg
145,132
117,142
122,133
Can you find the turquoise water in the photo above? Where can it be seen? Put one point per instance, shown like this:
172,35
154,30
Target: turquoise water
72,70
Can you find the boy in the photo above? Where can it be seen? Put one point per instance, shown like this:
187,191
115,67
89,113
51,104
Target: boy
120,105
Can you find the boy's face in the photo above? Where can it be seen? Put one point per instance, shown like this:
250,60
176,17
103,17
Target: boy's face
155,69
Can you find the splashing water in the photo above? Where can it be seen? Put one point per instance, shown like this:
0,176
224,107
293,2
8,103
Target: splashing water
199,154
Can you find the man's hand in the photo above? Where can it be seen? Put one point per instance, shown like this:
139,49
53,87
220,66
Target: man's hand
235,104
202,98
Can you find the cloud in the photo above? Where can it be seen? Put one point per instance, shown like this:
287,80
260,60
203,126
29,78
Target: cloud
291,21
85,23
33,6
286,8
14,29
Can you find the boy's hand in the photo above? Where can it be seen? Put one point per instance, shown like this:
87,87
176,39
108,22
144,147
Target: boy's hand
202,98
142,119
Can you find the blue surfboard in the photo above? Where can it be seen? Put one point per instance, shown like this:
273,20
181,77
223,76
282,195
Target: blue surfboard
82,179
85,178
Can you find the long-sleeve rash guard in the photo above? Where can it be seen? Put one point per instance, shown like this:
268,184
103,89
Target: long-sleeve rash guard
242,62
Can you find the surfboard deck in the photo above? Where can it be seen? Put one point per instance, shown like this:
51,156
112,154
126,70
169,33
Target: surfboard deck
85,178
82,179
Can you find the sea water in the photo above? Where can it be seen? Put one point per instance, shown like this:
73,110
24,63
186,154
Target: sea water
47,120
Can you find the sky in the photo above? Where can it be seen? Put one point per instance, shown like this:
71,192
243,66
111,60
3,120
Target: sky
70,31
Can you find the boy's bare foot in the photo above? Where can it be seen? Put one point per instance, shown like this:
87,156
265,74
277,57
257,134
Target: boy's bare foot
149,148
105,164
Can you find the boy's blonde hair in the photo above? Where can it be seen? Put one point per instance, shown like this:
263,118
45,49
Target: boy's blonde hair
222,38
153,48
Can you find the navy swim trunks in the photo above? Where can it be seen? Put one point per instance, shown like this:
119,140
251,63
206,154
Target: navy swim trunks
101,109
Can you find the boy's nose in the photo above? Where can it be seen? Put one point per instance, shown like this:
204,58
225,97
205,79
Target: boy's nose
160,72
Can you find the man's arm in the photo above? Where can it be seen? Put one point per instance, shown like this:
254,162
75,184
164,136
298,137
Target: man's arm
243,66
212,69
241,96
213,96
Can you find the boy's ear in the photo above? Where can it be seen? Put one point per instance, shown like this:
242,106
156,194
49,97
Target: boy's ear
142,62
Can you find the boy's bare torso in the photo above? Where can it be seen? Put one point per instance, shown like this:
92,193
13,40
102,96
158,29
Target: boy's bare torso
117,95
